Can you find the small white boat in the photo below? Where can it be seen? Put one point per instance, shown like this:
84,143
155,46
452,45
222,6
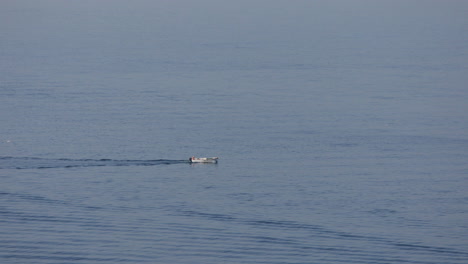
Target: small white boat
203,160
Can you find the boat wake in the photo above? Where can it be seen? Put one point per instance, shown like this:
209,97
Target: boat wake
42,163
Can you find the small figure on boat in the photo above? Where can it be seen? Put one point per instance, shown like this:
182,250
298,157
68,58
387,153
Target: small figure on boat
203,160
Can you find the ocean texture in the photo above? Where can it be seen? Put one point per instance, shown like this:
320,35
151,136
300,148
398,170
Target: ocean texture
341,128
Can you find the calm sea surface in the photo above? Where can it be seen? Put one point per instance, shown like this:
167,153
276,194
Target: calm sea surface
341,127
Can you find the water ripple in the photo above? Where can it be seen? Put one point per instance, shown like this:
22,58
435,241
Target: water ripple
305,238
42,163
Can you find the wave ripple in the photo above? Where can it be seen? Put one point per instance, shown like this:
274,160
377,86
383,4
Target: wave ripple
42,163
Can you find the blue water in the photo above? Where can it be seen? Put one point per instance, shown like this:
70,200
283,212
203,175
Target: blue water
341,127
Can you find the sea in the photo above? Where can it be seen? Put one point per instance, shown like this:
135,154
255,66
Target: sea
341,129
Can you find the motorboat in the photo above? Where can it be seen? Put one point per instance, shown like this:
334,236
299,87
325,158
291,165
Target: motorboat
203,160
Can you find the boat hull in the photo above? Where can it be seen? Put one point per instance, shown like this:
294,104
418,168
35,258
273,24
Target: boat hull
203,160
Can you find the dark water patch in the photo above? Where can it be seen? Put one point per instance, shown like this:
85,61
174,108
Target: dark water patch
67,258
430,249
31,198
42,163
8,216
346,243
211,216
383,212
63,251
